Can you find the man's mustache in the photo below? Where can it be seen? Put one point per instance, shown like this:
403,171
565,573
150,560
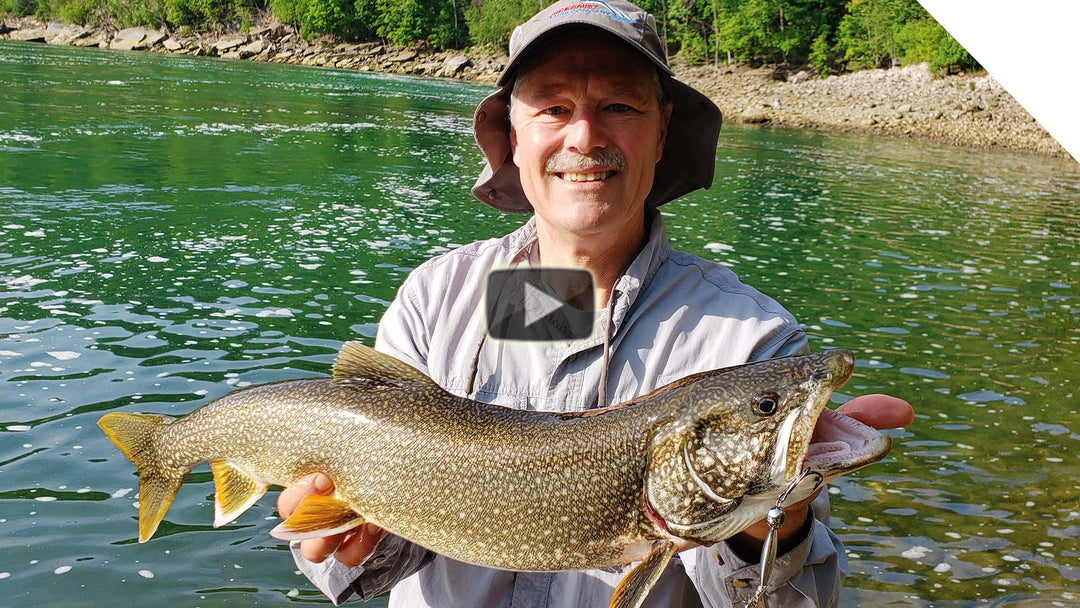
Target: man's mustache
567,161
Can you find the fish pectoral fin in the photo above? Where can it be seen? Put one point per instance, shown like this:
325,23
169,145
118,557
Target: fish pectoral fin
358,364
317,516
234,491
635,586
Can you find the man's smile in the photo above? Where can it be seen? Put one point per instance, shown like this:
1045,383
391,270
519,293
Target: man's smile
593,176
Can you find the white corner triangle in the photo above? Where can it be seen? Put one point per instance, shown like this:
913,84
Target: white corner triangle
1026,47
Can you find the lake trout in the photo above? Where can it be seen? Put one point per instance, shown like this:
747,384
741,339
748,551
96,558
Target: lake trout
691,463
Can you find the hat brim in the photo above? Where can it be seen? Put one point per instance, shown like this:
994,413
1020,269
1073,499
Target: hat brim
686,164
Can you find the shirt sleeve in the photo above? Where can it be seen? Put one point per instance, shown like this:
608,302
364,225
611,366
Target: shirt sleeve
401,335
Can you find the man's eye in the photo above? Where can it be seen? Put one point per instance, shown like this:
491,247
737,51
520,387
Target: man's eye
620,108
555,111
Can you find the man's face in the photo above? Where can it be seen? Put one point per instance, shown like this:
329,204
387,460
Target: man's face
586,134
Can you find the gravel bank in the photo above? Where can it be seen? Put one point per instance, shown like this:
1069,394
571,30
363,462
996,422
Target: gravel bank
967,110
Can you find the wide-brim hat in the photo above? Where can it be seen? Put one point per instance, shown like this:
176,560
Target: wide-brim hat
689,155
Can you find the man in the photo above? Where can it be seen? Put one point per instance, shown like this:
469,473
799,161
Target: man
591,134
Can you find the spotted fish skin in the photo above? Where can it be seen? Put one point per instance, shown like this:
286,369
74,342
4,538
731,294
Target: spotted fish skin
489,485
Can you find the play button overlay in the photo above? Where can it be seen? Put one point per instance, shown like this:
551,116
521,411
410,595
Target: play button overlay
538,304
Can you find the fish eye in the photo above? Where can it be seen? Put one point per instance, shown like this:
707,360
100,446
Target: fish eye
767,404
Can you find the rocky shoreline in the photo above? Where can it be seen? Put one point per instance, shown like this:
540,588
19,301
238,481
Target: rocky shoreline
965,110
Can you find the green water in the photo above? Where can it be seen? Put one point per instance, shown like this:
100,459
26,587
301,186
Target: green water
174,228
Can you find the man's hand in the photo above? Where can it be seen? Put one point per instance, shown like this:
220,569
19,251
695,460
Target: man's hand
350,548
878,411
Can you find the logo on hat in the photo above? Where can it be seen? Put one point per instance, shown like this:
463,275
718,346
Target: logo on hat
599,8
539,304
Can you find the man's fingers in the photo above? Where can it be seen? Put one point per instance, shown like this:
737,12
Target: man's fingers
879,411
359,545
292,495
318,549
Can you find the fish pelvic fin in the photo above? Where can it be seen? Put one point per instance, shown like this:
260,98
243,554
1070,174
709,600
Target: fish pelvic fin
358,364
317,516
234,491
635,586
136,436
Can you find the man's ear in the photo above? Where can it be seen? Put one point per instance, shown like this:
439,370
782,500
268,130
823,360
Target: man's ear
513,142
665,119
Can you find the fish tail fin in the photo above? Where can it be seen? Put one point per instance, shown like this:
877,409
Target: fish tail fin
136,436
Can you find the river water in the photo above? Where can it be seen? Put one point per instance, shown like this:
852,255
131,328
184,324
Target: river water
174,228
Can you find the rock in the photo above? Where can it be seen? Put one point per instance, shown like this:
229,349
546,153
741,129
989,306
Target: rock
92,38
455,64
801,76
59,33
370,49
272,31
753,115
128,39
904,109
252,48
229,43
152,38
28,35
172,45
403,56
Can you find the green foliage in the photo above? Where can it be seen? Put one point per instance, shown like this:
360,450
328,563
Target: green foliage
82,12
492,21
925,40
405,22
18,8
202,13
821,56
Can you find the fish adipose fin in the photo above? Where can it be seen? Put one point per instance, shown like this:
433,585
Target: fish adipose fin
234,491
317,516
358,364
135,435
635,586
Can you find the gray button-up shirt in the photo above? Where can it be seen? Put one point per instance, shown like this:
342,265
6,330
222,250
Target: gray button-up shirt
671,314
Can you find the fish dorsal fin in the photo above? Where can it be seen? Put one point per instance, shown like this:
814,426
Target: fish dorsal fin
358,364
635,586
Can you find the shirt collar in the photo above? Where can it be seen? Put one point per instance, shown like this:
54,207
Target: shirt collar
634,279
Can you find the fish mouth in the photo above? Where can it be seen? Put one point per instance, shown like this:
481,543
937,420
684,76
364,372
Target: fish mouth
841,444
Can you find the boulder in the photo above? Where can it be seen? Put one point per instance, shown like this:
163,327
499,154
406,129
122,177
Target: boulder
172,45
370,49
455,64
153,37
801,76
64,34
229,43
128,39
36,34
252,48
403,56
753,115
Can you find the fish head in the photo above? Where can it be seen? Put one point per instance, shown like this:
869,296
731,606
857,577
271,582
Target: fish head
743,434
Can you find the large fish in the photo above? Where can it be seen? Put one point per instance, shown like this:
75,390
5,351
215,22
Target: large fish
693,462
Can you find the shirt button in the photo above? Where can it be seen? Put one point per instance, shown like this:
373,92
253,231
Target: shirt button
740,583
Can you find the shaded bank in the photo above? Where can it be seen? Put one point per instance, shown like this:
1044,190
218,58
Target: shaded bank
966,110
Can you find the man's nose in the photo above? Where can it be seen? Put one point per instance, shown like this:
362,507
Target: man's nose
584,133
